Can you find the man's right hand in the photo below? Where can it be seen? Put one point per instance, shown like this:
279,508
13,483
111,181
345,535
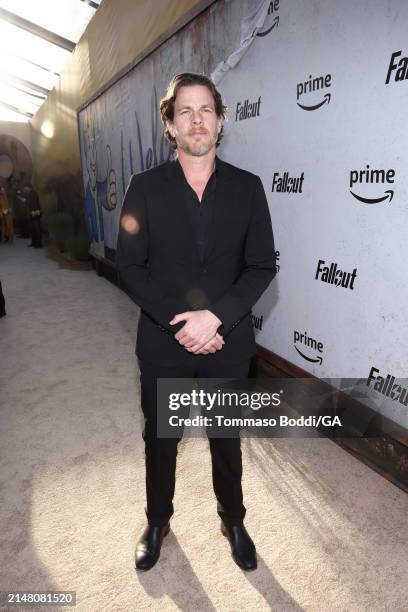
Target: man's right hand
215,344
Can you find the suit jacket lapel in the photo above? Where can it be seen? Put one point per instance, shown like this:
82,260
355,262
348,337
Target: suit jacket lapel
222,194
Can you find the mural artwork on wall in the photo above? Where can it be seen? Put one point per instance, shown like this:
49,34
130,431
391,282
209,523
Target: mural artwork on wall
99,193
137,146
16,168
15,159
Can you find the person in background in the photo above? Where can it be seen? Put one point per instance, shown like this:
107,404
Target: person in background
2,303
34,209
21,218
7,226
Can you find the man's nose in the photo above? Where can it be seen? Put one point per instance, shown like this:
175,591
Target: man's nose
197,118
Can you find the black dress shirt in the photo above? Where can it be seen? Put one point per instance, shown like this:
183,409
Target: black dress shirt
200,212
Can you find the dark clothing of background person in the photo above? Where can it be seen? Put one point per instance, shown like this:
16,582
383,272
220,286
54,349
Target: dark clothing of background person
171,262
22,217
2,303
34,209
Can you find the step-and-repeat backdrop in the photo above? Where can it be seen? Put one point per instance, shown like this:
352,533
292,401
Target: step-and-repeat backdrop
317,92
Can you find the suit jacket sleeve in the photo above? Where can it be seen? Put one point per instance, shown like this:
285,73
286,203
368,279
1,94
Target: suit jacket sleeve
259,265
132,260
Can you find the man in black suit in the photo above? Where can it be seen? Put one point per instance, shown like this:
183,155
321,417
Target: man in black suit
195,251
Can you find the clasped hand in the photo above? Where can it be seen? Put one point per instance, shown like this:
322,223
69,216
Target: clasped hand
199,334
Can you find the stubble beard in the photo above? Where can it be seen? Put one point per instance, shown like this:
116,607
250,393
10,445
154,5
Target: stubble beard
196,148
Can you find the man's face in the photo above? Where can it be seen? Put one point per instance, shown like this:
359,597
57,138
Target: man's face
195,125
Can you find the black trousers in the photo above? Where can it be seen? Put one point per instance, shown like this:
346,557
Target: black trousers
35,225
161,453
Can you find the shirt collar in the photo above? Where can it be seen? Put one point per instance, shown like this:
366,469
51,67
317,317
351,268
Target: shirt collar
180,170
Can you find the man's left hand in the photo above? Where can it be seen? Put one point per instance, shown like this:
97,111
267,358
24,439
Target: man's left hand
214,345
200,327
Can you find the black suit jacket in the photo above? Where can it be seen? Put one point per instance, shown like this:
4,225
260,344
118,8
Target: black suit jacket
160,267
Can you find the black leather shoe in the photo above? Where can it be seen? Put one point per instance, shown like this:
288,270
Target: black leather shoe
149,545
242,547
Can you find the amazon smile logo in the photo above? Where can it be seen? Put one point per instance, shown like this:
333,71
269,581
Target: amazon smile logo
370,176
309,347
314,84
272,20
